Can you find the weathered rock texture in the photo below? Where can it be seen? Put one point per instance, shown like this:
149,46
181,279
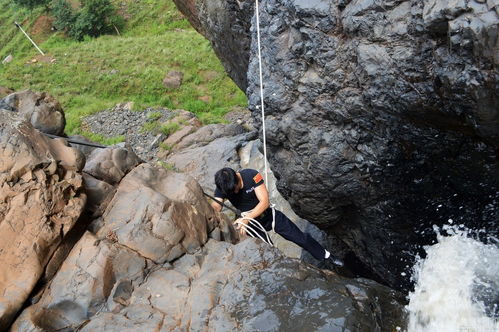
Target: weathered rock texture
160,214
41,198
111,164
42,110
103,286
382,116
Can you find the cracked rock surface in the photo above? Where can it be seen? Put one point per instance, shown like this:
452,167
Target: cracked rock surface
41,198
222,287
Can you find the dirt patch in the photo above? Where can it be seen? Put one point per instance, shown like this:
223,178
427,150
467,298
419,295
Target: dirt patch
4,91
206,99
76,4
208,75
42,26
42,58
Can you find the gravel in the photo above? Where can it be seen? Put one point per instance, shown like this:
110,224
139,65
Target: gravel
120,120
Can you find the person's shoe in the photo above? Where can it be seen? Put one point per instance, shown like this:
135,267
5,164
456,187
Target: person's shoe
335,261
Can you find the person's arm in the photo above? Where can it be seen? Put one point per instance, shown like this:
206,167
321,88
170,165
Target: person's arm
263,197
217,207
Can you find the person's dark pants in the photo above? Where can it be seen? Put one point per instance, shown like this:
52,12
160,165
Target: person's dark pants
288,230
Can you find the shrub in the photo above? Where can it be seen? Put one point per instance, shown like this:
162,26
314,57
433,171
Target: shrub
64,14
96,17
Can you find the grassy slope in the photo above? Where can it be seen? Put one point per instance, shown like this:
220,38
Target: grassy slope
97,73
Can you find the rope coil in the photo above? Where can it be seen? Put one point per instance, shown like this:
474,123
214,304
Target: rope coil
253,232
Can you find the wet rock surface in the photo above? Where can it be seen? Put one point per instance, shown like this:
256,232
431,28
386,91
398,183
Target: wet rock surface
222,287
41,199
382,118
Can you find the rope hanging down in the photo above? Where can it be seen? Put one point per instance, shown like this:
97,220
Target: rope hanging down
262,104
262,107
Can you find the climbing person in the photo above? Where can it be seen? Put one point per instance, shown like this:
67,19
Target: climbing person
247,192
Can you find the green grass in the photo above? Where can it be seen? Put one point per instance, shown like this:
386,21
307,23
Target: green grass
96,74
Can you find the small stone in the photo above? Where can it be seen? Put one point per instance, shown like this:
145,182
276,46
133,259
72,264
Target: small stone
173,80
206,99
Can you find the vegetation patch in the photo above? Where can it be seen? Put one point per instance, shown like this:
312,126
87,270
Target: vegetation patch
97,73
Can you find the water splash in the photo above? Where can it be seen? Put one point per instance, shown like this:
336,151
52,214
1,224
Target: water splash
456,285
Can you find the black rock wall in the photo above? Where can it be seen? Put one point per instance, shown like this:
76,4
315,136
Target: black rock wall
382,119
382,116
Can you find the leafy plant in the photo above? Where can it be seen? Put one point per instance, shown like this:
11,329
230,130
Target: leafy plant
154,115
64,14
165,146
170,128
151,126
169,166
95,18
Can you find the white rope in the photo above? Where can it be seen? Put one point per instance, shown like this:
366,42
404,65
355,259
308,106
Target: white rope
262,105
253,232
261,89
249,228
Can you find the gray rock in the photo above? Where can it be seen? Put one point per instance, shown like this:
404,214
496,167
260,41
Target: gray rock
99,194
42,110
85,149
121,120
246,287
82,285
207,150
173,80
111,164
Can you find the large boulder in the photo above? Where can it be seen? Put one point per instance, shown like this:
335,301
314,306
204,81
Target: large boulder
212,147
160,214
382,118
111,164
91,274
41,198
223,287
42,110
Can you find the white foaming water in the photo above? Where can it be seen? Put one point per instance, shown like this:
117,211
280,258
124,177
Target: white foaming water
457,286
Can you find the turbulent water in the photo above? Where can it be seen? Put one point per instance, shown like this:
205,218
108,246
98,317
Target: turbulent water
457,285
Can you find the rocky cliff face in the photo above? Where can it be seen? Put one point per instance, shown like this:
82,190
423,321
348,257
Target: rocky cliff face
382,117
148,252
